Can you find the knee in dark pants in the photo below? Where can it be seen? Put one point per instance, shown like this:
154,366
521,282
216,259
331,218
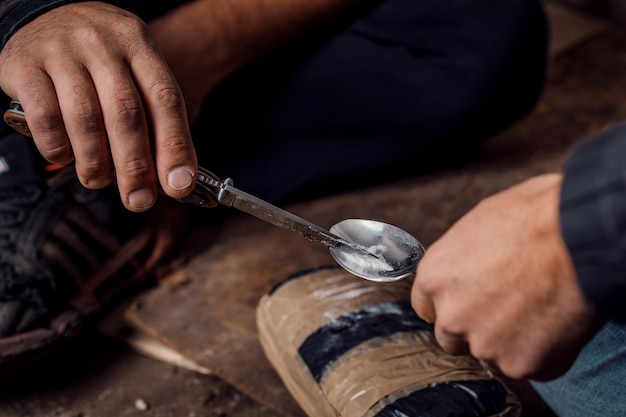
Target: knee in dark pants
389,84
449,69
426,69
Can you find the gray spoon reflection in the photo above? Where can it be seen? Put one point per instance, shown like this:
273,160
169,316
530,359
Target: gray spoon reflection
392,253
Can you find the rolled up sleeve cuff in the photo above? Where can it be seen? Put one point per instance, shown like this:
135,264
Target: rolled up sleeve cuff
593,219
15,14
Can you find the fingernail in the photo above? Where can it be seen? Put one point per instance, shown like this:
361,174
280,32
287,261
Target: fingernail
141,199
180,178
99,182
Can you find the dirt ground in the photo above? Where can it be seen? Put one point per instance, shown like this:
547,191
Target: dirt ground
96,376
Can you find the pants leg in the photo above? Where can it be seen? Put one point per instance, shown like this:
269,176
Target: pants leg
596,383
373,94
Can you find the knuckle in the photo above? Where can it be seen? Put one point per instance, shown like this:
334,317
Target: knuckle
481,352
135,169
450,343
447,327
174,145
486,352
92,35
49,133
87,119
57,151
92,163
423,311
423,284
44,121
417,300
91,171
167,96
445,345
135,29
137,37
98,34
515,369
425,278
452,319
59,44
128,113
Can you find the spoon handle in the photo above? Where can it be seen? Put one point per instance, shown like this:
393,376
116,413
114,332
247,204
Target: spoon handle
236,198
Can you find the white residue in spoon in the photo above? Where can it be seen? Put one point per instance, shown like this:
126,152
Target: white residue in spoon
357,260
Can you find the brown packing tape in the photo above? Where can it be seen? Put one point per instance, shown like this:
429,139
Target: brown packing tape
368,376
383,366
290,367
378,372
323,295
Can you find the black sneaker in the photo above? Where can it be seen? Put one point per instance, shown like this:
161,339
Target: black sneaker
67,252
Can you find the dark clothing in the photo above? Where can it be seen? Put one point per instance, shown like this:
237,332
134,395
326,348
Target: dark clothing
383,91
593,218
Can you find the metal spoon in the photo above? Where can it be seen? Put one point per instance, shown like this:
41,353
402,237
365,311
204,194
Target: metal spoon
398,251
369,249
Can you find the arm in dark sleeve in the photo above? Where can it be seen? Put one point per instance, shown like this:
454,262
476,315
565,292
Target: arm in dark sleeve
593,219
16,13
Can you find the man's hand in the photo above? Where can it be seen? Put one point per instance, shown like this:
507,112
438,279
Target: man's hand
500,285
97,91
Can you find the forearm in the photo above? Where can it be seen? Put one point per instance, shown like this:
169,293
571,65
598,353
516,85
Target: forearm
206,40
235,32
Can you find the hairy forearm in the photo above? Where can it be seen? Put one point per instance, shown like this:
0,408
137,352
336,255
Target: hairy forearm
206,40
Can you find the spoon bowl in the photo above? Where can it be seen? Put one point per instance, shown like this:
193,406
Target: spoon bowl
390,254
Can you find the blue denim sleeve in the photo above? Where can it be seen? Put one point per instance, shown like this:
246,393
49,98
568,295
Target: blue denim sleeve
593,219
16,13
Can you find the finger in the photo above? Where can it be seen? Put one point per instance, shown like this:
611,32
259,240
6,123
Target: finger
420,300
175,154
43,116
84,125
127,130
423,305
491,365
451,343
